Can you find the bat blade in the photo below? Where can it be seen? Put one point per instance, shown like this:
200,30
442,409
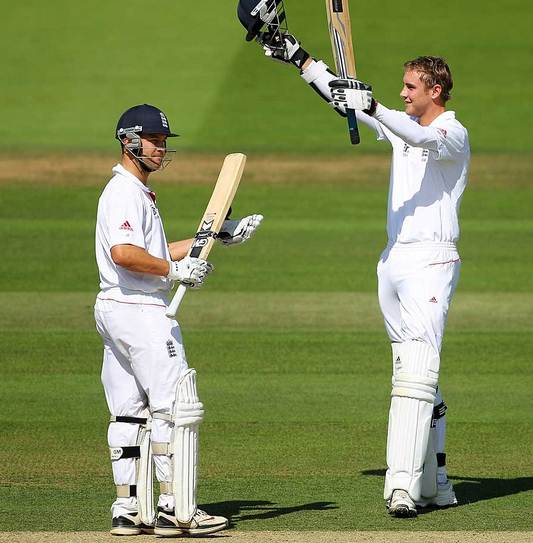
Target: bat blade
340,31
213,217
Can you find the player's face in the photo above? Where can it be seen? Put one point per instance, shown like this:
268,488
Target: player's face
416,96
154,149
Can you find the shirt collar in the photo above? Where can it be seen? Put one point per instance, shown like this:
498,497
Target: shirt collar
120,170
444,116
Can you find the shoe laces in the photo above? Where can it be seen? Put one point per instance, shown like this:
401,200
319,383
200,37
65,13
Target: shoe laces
201,514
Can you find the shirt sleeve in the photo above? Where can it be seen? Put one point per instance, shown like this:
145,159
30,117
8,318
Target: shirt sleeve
373,124
452,142
446,141
125,213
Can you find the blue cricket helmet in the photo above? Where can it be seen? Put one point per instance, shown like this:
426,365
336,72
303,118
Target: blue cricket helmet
254,14
145,119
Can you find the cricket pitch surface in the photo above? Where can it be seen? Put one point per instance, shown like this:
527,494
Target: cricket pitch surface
284,537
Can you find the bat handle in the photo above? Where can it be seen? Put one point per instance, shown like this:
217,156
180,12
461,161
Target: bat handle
176,301
352,127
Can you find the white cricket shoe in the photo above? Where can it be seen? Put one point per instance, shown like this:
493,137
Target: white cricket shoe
445,497
202,523
401,505
130,524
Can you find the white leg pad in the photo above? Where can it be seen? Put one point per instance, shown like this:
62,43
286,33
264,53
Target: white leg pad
429,473
145,476
413,395
141,452
188,414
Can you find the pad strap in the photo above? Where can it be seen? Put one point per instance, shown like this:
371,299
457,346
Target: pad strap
118,453
166,487
439,411
126,491
163,416
162,449
130,420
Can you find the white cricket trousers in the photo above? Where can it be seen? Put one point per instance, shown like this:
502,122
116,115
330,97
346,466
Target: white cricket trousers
416,282
142,363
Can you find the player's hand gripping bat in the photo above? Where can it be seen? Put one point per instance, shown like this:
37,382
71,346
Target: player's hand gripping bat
215,214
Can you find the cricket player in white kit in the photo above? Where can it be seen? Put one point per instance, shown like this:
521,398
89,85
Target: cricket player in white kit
150,390
419,269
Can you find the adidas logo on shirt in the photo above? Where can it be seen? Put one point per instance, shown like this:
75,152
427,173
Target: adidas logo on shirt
126,226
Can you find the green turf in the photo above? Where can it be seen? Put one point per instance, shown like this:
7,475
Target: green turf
68,71
292,358
496,228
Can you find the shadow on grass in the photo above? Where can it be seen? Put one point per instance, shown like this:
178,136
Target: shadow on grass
476,489
243,510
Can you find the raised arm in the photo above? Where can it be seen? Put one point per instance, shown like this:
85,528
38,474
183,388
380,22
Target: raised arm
407,129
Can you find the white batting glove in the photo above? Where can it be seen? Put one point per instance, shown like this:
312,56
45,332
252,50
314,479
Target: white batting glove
350,94
284,48
190,271
239,230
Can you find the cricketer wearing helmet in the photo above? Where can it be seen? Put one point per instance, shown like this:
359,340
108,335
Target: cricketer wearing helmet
150,390
419,269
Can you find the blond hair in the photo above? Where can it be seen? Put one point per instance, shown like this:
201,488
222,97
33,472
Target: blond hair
433,71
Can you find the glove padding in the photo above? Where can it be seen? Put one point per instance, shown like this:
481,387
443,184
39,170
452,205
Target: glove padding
190,271
239,230
351,94
285,49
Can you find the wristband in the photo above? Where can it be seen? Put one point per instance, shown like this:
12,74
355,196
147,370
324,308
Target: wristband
372,108
299,58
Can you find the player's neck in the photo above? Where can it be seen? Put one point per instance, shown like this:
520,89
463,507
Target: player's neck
135,169
431,114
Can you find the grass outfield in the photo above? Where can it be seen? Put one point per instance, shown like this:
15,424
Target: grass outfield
68,73
293,362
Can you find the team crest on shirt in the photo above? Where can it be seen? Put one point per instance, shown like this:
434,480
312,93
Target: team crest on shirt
408,150
155,211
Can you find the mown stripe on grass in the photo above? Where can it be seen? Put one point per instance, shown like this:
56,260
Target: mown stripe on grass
270,311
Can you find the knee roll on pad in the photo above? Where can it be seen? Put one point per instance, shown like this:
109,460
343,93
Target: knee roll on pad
416,370
414,386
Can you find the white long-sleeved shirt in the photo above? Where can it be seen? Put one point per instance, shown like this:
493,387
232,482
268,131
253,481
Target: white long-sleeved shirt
429,168
428,174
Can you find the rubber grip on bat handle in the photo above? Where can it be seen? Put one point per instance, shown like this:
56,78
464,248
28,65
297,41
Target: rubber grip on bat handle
176,301
352,126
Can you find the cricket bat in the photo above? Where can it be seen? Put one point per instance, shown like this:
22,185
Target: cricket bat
340,32
214,215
